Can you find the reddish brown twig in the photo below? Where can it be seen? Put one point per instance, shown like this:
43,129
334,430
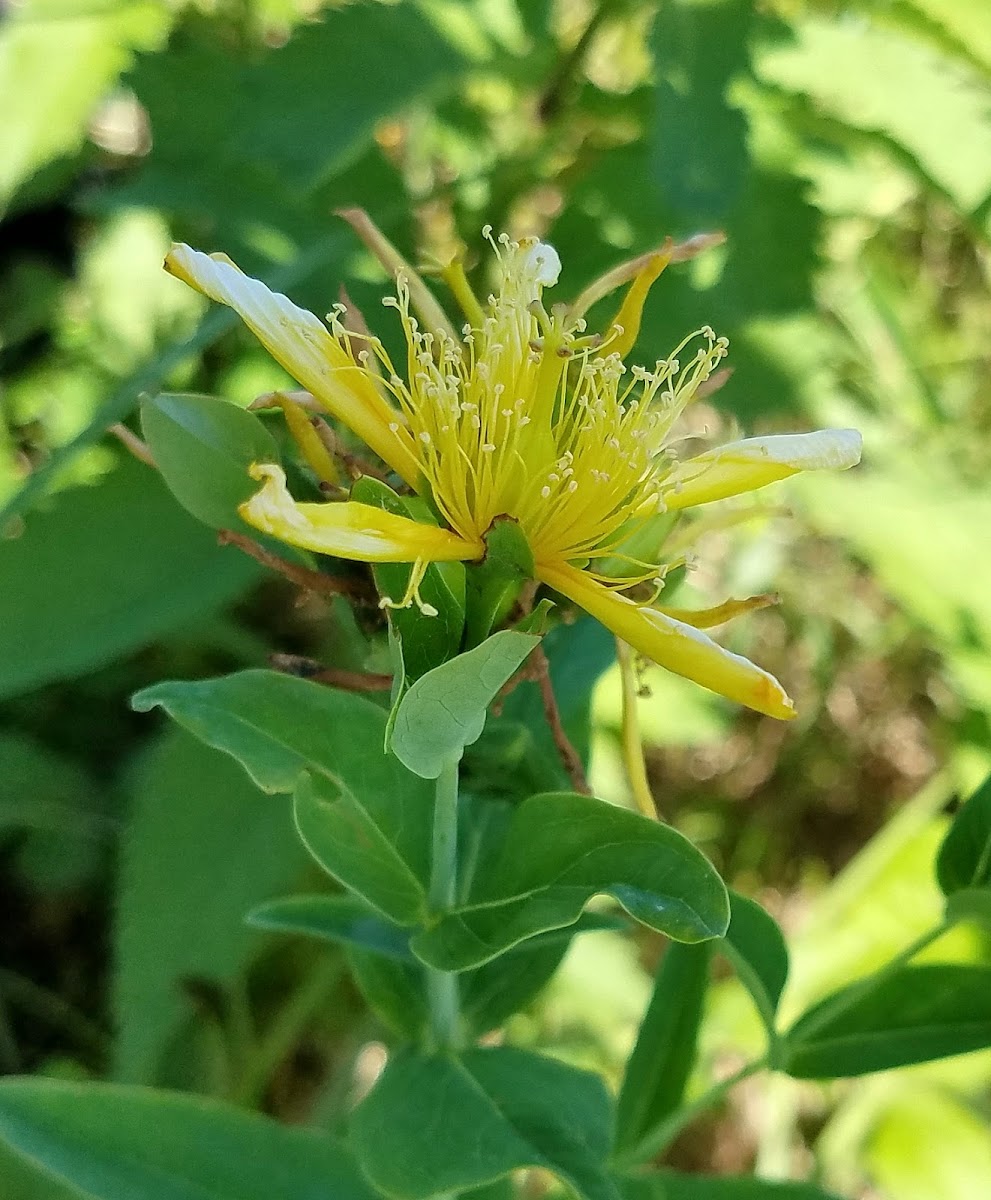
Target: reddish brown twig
569,755
132,443
348,681
310,581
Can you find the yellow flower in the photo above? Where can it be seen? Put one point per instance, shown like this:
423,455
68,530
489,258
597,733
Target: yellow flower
524,416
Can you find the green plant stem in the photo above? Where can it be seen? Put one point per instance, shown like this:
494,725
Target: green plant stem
663,1134
442,986
284,1032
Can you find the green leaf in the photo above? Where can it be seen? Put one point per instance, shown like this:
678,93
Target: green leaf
426,641
672,1185
352,845
560,850
755,946
274,139
364,818
395,991
52,84
344,920
111,1142
504,985
662,1059
202,845
911,1015
444,710
435,1124
495,582
893,85
699,152
55,808
203,447
964,859
110,567
970,904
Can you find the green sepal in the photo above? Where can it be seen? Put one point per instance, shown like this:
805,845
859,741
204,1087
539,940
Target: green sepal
426,641
538,621
495,582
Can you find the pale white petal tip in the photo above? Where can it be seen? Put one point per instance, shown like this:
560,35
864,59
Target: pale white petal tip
545,263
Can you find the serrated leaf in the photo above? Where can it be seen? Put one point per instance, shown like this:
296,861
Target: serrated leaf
964,859
111,1142
911,1015
894,85
560,850
358,796
444,710
203,447
658,1069
508,1108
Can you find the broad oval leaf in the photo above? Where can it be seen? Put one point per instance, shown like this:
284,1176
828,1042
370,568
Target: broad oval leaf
911,1015
658,1069
434,1123
335,828
203,446
964,859
345,920
444,710
280,728
111,1142
560,850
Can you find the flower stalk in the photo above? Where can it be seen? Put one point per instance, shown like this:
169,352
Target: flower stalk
442,986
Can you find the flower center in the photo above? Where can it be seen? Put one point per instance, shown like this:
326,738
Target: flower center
529,418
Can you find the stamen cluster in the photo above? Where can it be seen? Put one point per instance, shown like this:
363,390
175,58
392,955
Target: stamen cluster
529,417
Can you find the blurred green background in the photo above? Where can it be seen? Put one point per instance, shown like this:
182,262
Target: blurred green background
845,149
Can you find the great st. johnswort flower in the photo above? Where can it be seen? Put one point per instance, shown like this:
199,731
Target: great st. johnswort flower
524,416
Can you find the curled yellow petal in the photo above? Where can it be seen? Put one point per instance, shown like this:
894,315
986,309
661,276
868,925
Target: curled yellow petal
755,462
349,529
303,345
707,618
630,312
672,644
